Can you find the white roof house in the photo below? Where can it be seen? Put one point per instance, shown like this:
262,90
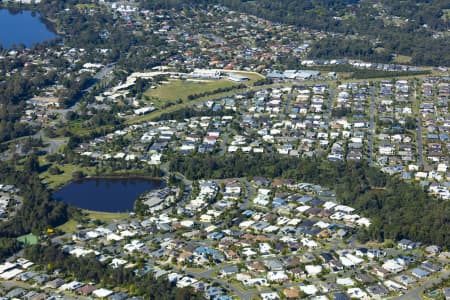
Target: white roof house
392,266
277,276
309,289
347,281
313,270
102,293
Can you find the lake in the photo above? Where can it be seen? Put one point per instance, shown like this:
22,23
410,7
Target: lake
105,194
23,27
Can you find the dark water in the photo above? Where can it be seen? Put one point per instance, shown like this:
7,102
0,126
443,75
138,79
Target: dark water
106,195
23,27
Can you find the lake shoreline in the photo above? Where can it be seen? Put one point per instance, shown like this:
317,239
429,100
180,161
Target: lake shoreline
34,28
112,177
121,176
90,174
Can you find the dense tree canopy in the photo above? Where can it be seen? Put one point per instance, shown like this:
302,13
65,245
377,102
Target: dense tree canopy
38,212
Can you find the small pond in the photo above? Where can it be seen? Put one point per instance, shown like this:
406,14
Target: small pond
106,194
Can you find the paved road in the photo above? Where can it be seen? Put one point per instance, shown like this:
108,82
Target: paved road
288,103
329,111
419,143
371,125
100,75
104,71
330,105
248,195
419,135
187,187
52,144
223,144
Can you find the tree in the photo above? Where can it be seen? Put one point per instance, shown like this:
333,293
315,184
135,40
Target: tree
77,175
54,170
31,164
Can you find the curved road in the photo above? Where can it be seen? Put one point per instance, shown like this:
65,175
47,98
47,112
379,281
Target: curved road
371,125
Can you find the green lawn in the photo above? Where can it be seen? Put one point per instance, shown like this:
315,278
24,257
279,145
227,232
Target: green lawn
86,6
68,227
181,89
77,128
176,89
402,59
71,225
445,14
105,216
253,76
156,114
58,180
29,239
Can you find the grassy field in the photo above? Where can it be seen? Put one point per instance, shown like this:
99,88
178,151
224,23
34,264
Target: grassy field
181,89
29,239
402,59
55,181
156,114
68,227
77,128
71,225
86,6
446,14
105,216
253,76
176,89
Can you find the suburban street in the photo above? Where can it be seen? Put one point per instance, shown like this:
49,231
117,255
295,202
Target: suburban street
419,134
371,125
419,143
